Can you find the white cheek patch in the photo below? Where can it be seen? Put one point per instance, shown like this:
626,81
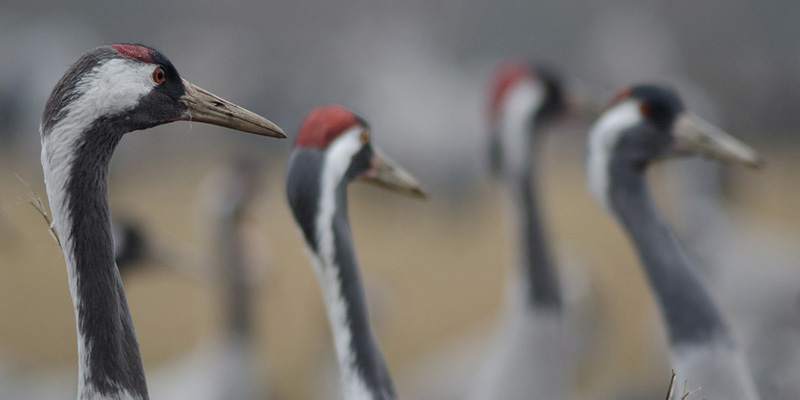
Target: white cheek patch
603,138
110,88
113,87
339,155
517,116
335,164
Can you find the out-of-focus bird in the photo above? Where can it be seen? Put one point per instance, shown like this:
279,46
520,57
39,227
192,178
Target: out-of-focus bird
222,365
643,124
332,149
108,92
763,302
531,355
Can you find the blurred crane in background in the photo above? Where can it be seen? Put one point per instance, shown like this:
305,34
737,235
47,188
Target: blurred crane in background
643,124
332,148
223,365
532,358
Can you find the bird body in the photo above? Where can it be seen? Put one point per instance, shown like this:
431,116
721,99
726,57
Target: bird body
108,92
718,370
528,352
643,124
333,148
762,302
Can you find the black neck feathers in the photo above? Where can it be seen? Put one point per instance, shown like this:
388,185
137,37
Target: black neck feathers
104,321
544,291
368,358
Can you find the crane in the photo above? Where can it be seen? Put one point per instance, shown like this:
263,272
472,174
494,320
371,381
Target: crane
530,358
645,123
107,92
332,148
222,365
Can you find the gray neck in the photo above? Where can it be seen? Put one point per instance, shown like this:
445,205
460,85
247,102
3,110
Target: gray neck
110,364
233,269
541,280
688,309
360,360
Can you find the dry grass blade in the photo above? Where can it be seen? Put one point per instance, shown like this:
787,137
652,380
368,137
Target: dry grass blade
36,202
686,394
671,389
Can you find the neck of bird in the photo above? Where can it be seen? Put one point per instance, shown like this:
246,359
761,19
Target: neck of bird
690,314
364,373
76,177
236,290
537,273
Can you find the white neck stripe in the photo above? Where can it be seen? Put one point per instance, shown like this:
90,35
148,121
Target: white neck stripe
336,162
516,121
603,139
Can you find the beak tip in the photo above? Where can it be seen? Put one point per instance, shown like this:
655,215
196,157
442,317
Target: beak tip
756,163
280,134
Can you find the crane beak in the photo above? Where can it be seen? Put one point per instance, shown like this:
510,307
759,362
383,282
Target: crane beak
694,135
388,174
202,106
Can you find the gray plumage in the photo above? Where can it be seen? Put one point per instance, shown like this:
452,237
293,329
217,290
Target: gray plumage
647,123
108,92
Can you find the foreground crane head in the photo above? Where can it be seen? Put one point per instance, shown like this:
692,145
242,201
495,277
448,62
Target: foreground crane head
131,87
646,123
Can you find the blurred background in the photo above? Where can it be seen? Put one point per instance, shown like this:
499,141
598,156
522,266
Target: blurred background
418,72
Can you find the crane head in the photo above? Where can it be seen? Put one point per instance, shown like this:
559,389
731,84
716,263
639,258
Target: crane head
651,123
345,139
523,98
646,123
127,87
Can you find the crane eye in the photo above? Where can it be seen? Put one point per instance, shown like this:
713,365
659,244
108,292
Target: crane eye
646,109
364,136
159,75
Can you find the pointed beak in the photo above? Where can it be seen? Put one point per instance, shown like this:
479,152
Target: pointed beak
202,106
386,173
697,136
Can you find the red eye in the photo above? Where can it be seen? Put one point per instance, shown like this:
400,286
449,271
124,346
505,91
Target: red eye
159,75
646,109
